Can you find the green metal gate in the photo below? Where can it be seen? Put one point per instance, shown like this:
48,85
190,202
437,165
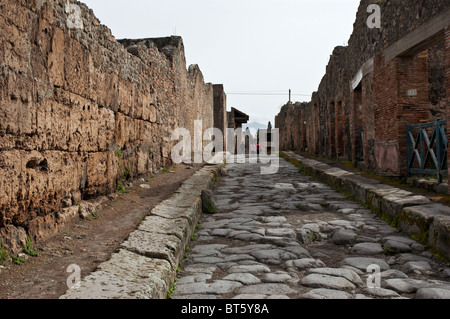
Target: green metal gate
427,146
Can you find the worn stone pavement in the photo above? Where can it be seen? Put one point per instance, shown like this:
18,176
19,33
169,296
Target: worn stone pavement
288,236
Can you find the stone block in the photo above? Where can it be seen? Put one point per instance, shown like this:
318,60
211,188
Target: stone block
439,236
153,245
178,227
393,203
126,275
75,67
13,239
416,220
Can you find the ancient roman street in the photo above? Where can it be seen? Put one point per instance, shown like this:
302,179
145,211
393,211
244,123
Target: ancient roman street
223,150
288,236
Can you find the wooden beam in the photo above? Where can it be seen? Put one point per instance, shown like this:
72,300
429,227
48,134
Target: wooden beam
421,38
366,68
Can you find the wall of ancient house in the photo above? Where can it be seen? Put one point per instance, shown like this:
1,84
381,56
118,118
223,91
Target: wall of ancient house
362,105
80,111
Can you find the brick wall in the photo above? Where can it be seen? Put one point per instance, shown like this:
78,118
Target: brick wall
362,90
447,86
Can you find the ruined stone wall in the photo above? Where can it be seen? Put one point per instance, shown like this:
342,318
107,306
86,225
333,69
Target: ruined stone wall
79,111
368,121
293,133
220,111
283,121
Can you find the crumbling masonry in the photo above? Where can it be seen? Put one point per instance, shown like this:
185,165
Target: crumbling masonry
384,79
80,111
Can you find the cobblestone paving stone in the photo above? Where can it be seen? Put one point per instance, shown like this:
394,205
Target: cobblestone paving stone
286,236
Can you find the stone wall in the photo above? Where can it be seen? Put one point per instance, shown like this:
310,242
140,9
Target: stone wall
80,111
362,105
220,111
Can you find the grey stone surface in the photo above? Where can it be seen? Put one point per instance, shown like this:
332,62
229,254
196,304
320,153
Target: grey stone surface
344,237
194,278
362,263
412,266
323,293
167,247
273,254
406,285
208,205
327,281
244,278
276,277
393,246
392,273
441,188
367,249
125,275
433,293
267,289
348,274
250,296
439,237
403,258
305,236
304,263
177,227
381,292
217,287
254,269
401,239
311,243
282,232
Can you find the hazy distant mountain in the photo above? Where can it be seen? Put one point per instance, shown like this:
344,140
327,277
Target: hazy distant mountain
254,126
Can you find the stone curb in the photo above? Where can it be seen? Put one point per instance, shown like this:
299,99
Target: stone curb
145,265
426,221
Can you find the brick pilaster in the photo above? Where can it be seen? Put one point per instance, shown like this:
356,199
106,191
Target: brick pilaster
447,88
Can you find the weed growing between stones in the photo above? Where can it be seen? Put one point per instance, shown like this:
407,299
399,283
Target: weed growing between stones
300,166
172,289
121,188
438,255
210,209
3,254
208,206
27,250
392,221
387,249
187,251
17,260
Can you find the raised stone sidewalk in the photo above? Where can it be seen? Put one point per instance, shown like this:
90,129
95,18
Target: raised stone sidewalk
423,219
145,265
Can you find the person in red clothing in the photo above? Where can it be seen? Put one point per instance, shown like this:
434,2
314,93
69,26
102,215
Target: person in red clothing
257,148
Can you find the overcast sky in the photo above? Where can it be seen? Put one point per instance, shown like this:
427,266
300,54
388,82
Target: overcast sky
249,46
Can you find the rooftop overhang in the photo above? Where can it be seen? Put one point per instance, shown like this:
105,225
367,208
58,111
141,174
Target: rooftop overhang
239,117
